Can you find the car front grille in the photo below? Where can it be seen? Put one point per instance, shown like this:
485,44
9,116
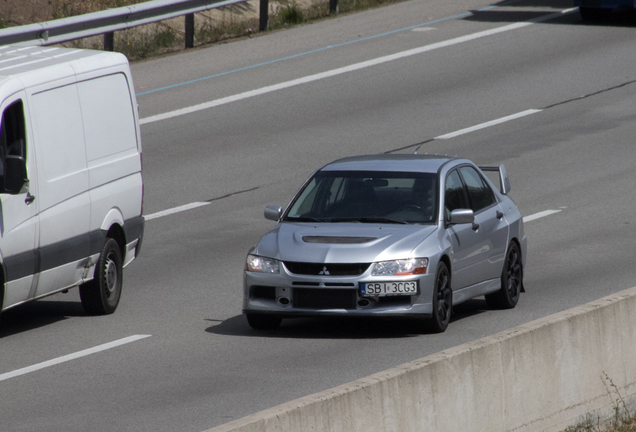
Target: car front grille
312,298
315,269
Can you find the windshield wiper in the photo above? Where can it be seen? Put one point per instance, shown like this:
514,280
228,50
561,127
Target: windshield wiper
304,219
369,220
382,220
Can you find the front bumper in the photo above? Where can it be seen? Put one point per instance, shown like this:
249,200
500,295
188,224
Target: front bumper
292,295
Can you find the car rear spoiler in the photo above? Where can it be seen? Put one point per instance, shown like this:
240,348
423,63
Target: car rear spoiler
504,182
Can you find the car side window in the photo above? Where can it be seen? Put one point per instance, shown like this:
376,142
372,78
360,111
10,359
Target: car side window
479,192
454,195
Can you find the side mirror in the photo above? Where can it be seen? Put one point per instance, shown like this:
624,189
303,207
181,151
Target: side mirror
15,175
461,216
273,213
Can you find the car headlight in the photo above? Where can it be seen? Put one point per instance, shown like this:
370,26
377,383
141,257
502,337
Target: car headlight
400,267
260,264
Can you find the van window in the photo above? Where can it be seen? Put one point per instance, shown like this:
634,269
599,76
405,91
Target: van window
12,133
108,116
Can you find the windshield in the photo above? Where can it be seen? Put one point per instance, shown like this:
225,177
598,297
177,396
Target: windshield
367,196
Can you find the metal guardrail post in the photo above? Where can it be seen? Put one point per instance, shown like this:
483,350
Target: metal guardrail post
333,6
189,31
109,41
264,15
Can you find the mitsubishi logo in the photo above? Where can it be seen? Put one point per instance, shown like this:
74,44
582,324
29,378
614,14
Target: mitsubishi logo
324,271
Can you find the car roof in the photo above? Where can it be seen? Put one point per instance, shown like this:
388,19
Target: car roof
390,162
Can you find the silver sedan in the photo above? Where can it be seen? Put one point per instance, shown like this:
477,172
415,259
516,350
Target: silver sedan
387,236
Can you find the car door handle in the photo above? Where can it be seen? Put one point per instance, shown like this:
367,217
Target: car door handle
29,198
499,214
475,226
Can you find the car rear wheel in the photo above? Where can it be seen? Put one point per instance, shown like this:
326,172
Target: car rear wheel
263,322
511,281
101,295
442,300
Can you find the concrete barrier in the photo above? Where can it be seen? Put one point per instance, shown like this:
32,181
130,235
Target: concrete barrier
541,376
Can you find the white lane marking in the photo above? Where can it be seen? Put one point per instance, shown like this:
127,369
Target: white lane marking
488,124
423,29
86,352
175,210
540,215
342,70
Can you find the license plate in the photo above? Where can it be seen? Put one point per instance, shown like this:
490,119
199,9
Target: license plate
381,289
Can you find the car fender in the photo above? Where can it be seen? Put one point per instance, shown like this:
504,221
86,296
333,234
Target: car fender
436,248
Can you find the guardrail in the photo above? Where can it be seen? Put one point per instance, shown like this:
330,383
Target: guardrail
109,21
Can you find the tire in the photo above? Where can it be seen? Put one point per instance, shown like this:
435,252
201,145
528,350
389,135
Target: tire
511,281
101,295
263,322
442,301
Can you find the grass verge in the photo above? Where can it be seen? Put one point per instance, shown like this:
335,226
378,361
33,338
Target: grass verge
622,419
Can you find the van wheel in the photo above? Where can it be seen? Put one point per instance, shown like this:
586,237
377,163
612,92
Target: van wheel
101,295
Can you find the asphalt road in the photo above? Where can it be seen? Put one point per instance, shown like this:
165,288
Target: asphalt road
320,92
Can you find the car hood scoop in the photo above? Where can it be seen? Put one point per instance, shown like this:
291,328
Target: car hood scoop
337,240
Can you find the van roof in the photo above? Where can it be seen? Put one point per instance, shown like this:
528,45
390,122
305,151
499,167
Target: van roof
20,60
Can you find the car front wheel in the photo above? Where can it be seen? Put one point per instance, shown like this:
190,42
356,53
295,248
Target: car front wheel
511,281
442,300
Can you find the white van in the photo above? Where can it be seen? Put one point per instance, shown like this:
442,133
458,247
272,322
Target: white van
71,191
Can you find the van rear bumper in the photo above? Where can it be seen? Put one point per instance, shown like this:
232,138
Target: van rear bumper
134,229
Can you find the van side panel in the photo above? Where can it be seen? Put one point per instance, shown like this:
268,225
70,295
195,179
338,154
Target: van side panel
129,190
114,161
109,126
63,198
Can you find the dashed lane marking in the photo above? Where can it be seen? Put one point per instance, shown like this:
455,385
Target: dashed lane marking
69,357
